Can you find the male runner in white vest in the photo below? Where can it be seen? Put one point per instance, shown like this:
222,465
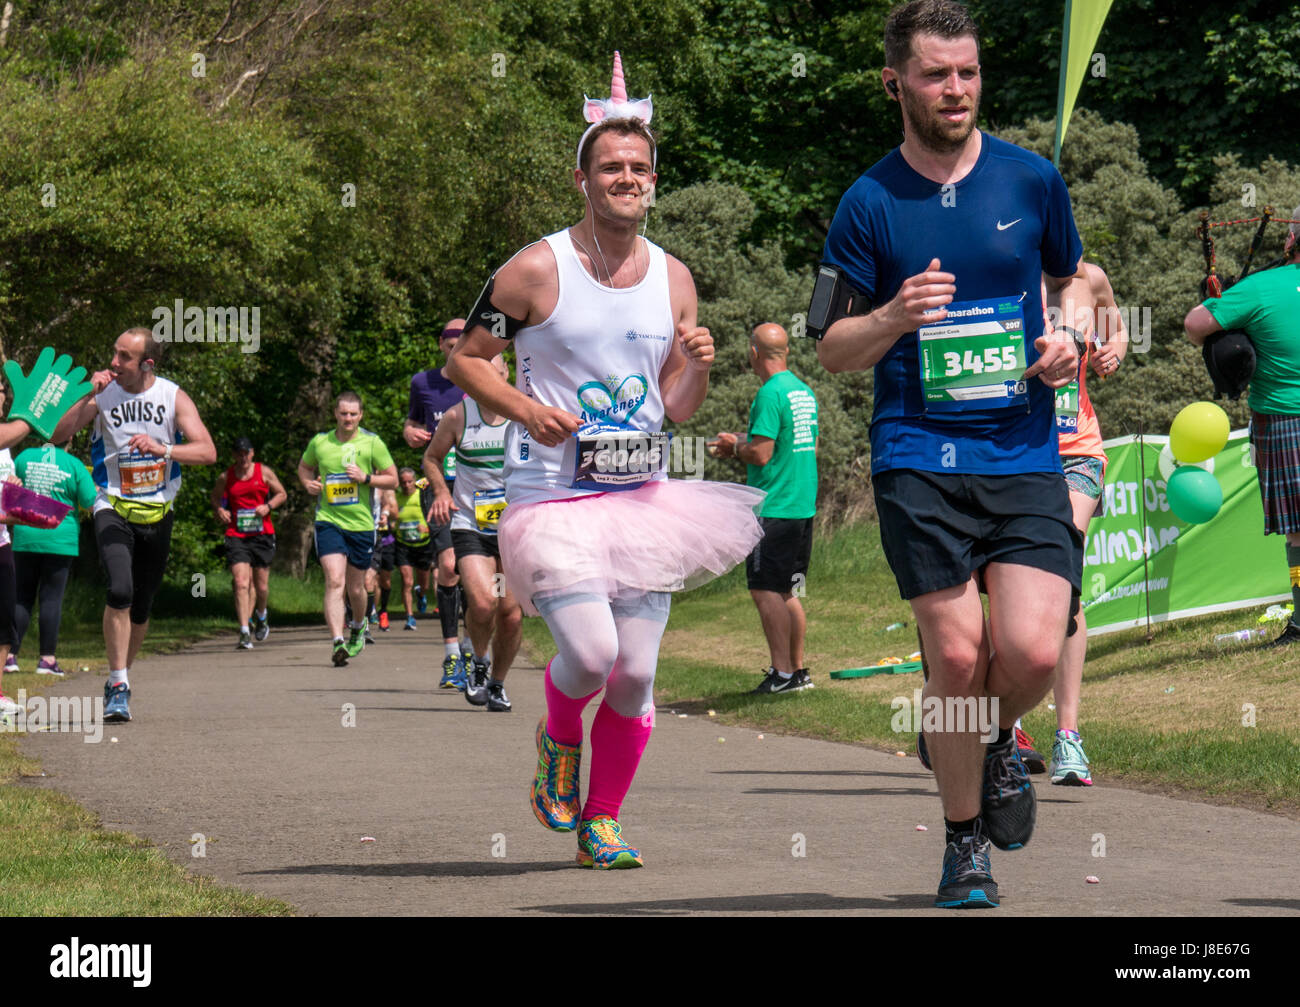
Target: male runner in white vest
145,429
596,537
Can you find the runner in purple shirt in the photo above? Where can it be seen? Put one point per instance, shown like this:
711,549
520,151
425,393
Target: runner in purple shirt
431,396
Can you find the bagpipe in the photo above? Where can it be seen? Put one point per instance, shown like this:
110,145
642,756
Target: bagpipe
1230,355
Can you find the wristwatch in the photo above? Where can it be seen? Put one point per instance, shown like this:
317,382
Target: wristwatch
367,478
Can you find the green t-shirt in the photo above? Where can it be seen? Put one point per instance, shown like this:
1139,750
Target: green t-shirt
343,502
786,411
1266,305
54,473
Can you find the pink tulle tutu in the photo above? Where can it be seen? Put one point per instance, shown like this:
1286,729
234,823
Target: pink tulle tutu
669,535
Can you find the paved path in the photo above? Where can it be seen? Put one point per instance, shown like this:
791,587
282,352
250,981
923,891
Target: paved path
249,749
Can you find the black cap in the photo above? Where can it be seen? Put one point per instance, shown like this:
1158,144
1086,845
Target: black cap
243,444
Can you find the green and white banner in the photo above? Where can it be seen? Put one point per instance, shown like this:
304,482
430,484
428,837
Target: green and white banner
1223,564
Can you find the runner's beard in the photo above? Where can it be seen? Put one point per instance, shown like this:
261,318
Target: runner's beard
934,132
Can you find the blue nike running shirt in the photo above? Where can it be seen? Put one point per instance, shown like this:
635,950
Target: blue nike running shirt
1006,222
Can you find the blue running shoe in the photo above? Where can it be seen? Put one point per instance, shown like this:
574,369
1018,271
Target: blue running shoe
1008,804
461,679
116,702
450,666
410,622
554,796
421,600
967,879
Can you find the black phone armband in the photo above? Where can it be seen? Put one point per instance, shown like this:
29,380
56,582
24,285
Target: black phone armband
490,317
833,298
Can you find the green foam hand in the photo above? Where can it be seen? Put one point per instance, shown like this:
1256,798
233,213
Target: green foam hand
50,390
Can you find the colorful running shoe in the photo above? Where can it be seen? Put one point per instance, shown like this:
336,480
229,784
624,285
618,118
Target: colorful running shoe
52,668
461,679
410,622
1008,804
498,701
601,845
1069,764
421,599
245,640
476,682
1034,762
356,641
7,706
450,667
261,628
11,663
554,797
383,622
117,701
967,879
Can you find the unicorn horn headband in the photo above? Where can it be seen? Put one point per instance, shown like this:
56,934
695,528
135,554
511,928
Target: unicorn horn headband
616,106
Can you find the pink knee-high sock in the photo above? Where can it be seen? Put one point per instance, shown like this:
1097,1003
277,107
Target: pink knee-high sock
616,746
564,713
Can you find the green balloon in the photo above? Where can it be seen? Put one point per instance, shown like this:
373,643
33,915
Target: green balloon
1194,495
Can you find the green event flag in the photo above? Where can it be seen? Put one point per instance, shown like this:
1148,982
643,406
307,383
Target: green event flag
1223,564
1082,26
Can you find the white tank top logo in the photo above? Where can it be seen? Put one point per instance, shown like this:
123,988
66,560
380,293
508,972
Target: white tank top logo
613,401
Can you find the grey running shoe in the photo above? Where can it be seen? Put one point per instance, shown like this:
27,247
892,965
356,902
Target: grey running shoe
497,700
967,879
1069,764
1008,805
245,639
476,682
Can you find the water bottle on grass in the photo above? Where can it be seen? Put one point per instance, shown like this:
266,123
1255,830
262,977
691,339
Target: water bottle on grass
1242,637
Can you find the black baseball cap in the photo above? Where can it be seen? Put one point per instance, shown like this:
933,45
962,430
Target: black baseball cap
243,444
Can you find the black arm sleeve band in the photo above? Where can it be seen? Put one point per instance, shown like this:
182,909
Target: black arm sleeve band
492,318
832,299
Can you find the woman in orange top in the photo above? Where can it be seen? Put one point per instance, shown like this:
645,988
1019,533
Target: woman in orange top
1084,462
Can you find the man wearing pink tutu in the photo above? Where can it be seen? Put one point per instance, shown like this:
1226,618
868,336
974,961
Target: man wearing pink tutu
595,537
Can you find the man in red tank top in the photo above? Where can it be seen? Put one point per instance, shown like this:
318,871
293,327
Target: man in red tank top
242,499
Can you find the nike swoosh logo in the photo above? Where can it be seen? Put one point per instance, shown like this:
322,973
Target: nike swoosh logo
1003,227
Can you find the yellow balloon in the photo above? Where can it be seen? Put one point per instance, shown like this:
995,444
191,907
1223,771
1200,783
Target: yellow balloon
1199,432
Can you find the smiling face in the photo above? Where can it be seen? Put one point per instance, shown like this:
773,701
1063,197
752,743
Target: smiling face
620,173
940,91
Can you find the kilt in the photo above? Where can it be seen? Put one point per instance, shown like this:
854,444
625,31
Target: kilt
1276,439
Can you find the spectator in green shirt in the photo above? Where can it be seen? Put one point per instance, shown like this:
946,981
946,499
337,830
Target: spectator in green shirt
43,557
1266,305
781,455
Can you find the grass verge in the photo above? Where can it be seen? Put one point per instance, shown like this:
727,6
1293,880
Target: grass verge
55,859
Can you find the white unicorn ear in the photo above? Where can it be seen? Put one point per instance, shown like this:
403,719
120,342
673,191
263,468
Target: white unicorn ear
593,110
640,109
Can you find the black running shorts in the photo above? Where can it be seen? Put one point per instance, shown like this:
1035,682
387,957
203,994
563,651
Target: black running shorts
255,550
469,542
781,555
937,529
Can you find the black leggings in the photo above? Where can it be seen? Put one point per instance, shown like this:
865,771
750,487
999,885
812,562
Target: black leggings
6,594
35,572
135,557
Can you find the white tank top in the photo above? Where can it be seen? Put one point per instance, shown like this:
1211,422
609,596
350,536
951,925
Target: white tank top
597,356
119,471
479,490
